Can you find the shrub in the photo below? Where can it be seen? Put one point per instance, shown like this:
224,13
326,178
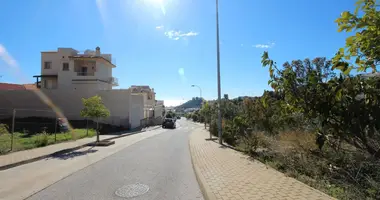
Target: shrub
214,128
229,132
42,139
195,117
3,129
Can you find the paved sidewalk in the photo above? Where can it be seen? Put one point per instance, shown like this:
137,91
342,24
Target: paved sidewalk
20,156
226,174
35,154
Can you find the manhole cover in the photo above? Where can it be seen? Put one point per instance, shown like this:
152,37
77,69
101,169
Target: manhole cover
133,190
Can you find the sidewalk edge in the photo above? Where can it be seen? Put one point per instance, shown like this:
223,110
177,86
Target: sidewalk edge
206,191
8,166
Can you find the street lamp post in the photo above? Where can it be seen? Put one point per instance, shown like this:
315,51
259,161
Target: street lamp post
200,90
218,74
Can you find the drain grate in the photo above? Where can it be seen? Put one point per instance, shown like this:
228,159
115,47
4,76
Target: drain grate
133,190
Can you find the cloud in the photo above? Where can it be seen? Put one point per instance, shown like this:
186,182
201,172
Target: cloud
6,57
176,35
264,46
159,27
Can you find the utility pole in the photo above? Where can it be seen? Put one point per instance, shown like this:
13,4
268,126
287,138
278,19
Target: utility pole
218,74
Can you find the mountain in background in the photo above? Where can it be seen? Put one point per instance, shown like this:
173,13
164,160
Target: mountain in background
195,102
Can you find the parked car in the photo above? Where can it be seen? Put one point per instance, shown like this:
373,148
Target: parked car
178,117
63,125
169,123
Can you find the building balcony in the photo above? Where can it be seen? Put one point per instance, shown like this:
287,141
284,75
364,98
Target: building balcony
114,81
85,73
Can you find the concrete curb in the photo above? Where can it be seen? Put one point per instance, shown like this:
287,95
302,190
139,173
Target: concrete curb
206,191
132,133
8,166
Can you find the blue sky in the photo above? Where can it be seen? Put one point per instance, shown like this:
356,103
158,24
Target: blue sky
171,44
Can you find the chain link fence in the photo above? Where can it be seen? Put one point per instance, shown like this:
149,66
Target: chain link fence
25,128
22,129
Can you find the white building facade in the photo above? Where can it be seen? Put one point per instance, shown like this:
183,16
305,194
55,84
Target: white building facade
67,76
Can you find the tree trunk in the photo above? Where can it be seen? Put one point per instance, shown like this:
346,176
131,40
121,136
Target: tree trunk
97,130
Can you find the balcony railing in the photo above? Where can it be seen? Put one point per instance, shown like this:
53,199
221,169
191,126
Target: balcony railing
114,81
85,73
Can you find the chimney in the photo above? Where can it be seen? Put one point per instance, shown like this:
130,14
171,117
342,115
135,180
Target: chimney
97,51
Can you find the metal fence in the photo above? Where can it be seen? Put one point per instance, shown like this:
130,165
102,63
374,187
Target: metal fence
20,125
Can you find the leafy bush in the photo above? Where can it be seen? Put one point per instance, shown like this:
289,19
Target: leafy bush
228,134
214,128
195,117
41,139
3,129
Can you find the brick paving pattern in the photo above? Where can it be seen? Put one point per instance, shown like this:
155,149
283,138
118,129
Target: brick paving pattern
231,175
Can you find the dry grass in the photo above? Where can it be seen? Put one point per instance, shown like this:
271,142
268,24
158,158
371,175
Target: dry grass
340,174
295,140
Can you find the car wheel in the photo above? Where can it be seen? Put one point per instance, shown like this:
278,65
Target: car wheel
163,126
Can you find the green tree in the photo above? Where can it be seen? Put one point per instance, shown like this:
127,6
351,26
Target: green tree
3,129
195,116
205,111
364,45
94,109
345,107
170,114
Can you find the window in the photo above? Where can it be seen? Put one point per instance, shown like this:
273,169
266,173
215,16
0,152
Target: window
47,65
65,67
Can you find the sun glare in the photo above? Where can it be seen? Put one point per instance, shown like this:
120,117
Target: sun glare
160,3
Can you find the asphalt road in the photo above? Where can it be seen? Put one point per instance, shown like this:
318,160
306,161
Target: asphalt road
159,167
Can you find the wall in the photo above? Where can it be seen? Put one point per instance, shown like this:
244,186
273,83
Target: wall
102,71
136,110
117,101
51,82
70,102
57,58
158,110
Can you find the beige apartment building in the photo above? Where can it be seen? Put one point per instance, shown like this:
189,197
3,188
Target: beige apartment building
67,68
68,75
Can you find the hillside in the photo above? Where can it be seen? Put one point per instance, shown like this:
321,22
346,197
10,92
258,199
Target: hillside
196,102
